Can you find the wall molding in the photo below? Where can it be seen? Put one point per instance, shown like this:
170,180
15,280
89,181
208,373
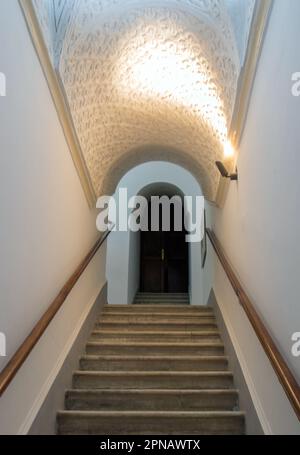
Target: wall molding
247,76
59,99
33,412
245,85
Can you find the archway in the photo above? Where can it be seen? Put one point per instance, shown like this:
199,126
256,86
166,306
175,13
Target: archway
123,254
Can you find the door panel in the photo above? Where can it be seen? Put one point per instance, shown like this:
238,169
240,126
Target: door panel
177,261
164,262
152,276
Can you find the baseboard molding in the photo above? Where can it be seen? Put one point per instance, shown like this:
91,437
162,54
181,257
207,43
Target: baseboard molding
41,417
256,419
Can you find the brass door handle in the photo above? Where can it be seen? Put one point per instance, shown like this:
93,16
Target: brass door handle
162,254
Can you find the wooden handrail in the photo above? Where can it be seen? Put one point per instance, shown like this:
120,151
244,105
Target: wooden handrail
284,374
17,360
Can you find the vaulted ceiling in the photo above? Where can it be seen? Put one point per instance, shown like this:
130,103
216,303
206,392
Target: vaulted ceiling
148,80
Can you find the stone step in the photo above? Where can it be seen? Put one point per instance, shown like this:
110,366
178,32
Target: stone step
151,400
154,317
152,380
178,308
115,335
151,348
150,422
158,303
160,295
153,363
120,325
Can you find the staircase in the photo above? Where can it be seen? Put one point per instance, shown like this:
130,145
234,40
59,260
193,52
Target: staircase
155,367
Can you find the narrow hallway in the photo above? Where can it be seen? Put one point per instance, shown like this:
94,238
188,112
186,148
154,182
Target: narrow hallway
149,234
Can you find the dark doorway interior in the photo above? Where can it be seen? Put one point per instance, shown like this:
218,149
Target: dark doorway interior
164,260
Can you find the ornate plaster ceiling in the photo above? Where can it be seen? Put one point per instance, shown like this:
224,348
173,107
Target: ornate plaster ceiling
146,80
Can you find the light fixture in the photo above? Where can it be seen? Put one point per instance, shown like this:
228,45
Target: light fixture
223,171
228,150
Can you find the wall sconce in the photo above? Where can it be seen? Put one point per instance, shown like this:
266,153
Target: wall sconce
223,171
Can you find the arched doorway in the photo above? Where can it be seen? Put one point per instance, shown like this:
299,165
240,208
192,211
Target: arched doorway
164,255
123,250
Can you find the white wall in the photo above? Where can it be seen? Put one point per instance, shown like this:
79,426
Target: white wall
46,225
133,265
123,258
260,224
208,271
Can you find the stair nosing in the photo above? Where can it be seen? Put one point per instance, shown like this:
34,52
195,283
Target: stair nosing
153,343
152,373
158,313
150,357
212,414
121,321
160,391
148,332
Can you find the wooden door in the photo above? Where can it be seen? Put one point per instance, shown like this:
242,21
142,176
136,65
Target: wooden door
164,261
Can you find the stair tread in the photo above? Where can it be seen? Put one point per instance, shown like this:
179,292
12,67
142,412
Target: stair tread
161,296
182,309
156,413
152,357
151,422
155,299
153,391
142,318
152,373
153,343
158,333
174,315
123,323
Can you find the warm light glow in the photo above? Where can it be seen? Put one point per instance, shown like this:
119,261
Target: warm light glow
175,75
228,150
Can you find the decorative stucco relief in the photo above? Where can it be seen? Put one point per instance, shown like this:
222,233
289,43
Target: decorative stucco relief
143,76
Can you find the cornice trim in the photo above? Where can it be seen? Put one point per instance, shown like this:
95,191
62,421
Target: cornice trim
246,80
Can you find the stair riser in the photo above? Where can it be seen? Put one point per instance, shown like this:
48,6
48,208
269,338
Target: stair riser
153,350
82,381
113,425
160,298
177,401
155,337
157,314
165,295
158,318
145,308
159,327
153,365
158,302
170,300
